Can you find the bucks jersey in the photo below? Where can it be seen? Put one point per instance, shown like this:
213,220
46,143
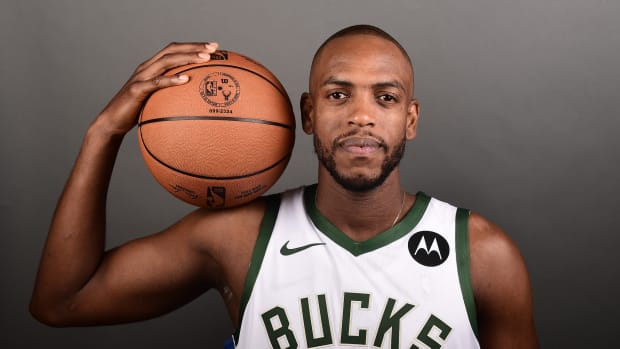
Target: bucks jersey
309,285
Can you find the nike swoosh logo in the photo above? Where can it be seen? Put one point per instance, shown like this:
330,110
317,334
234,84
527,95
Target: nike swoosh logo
286,251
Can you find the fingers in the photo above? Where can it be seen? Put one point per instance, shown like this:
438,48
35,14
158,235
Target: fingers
176,47
165,81
175,55
150,77
139,90
121,113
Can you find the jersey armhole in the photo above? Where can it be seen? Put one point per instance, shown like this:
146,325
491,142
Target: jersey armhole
463,266
262,240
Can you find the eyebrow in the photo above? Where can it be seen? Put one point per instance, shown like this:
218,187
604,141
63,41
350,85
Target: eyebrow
391,83
333,81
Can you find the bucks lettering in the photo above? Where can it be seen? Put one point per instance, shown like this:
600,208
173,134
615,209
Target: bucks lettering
318,325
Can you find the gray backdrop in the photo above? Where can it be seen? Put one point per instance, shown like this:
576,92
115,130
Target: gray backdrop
519,115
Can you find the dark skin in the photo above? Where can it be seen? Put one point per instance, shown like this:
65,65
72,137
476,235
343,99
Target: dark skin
358,82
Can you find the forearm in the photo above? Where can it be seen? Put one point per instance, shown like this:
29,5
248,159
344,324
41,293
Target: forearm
76,240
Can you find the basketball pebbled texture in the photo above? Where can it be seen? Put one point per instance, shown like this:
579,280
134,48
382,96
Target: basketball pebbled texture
222,139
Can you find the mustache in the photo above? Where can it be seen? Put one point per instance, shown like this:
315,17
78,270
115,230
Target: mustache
359,133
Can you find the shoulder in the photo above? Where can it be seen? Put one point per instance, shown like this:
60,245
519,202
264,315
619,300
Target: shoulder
496,262
489,243
215,228
218,234
226,238
501,286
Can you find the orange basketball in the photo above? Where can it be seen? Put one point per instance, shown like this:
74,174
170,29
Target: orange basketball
223,138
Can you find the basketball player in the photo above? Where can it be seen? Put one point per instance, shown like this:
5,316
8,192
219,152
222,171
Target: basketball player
353,261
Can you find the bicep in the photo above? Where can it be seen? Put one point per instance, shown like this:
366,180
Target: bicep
145,278
501,287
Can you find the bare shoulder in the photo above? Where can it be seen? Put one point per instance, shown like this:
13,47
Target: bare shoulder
227,238
225,233
501,287
493,254
226,224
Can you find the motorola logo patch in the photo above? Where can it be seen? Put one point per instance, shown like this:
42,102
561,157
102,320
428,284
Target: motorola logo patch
429,248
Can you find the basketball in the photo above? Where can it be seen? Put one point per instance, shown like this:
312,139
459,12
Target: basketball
223,138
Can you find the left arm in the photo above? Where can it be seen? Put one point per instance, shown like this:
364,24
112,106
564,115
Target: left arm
501,288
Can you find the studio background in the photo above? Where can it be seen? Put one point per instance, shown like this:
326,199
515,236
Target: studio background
519,121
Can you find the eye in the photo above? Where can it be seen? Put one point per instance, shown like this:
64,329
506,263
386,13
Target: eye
337,95
387,98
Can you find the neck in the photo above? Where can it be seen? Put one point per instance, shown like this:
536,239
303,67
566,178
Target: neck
363,215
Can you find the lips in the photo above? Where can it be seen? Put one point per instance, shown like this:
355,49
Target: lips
360,145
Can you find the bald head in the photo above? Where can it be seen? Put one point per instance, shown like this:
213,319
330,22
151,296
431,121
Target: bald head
360,29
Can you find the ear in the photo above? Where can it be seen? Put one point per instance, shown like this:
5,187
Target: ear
307,110
413,113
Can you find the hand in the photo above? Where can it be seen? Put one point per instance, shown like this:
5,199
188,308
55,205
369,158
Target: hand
121,114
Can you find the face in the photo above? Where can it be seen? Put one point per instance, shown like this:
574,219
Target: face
360,109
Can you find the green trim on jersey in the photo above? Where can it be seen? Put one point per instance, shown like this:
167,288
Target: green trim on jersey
463,267
262,240
356,248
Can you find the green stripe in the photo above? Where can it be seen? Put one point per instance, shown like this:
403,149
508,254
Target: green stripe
463,267
262,240
357,248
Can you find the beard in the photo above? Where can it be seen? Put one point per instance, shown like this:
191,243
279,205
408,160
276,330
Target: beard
359,183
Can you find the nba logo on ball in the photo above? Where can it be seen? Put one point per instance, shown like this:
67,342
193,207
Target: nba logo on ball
216,197
220,89
212,140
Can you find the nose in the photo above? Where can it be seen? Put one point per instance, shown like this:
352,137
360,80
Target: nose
361,114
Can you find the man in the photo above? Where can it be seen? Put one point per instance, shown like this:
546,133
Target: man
353,261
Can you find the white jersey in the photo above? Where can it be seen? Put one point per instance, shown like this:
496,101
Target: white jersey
309,285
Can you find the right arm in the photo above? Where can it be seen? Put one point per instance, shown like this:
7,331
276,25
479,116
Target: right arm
78,283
